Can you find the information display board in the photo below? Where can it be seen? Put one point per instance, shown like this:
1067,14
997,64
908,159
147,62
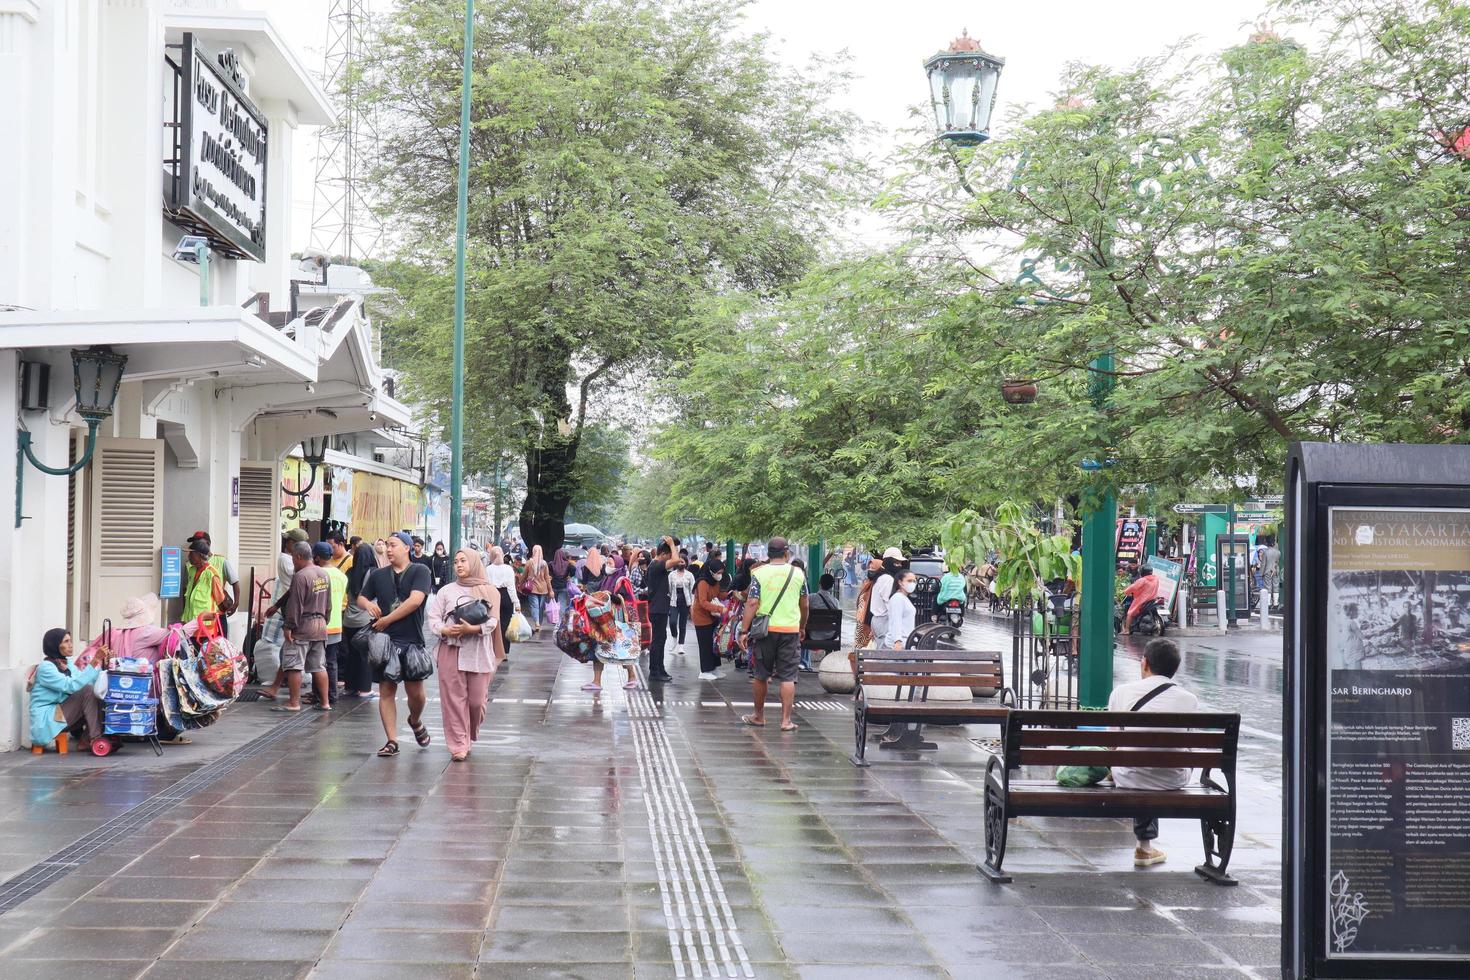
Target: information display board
1398,747
1376,753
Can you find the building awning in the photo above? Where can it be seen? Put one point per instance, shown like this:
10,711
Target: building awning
189,342
276,72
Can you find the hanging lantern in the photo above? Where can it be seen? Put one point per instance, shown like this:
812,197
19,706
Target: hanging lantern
962,85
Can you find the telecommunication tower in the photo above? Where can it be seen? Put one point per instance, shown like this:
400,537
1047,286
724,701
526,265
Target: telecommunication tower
341,223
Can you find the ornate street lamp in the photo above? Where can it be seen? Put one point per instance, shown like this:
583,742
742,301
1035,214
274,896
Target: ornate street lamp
314,454
96,375
962,84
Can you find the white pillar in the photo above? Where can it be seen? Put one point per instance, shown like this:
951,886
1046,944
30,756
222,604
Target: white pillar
18,24
131,124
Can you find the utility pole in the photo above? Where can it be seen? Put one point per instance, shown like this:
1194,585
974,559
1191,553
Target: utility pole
456,426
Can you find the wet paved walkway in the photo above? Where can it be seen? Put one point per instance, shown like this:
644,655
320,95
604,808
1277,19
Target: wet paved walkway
645,835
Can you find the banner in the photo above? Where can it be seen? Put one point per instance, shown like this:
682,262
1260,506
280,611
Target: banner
342,494
1398,734
1131,532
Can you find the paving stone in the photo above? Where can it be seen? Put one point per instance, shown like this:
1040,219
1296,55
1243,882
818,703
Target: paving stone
289,945
554,947
374,941
74,943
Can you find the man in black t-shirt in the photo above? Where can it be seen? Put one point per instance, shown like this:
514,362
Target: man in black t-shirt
656,581
394,596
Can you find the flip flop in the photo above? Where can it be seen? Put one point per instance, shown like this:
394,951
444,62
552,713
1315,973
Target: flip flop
789,728
631,686
264,696
287,708
749,720
591,687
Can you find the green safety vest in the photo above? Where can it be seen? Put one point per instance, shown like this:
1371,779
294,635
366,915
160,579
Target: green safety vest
200,597
785,618
338,582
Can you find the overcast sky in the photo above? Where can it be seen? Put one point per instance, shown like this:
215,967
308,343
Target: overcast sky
889,40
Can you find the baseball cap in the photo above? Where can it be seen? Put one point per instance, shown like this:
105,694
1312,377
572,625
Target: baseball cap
776,546
893,553
298,534
197,535
321,550
404,537
199,547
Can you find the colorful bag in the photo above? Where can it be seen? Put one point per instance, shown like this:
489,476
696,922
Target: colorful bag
635,611
222,667
553,612
601,616
574,637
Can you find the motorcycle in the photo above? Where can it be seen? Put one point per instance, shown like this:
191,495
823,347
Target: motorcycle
1152,619
951,612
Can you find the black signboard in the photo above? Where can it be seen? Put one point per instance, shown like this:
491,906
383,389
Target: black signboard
1131,532
222,141
1377,754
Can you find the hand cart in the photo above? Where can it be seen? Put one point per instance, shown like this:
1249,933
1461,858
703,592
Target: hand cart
129,709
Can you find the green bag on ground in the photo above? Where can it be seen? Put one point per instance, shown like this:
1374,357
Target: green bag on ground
1082,775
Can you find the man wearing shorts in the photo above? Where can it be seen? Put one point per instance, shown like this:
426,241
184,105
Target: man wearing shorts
394,597
777,590
304,613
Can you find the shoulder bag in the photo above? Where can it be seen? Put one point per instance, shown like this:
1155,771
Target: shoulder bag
761,625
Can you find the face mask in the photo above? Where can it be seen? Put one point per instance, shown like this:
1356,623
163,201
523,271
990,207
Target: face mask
910,586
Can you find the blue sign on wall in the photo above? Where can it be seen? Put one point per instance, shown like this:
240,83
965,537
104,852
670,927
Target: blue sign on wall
171,584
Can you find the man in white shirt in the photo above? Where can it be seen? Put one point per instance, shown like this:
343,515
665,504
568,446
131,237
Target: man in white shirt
1156,690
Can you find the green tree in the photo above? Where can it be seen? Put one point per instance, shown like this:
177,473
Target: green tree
1271,241
628,158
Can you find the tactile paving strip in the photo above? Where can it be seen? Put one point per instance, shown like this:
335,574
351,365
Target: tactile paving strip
43,874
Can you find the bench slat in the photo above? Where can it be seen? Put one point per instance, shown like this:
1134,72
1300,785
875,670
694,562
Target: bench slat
920,709
1159,758
1025,796
921,680
1151,739
923,656
1127,719
899,667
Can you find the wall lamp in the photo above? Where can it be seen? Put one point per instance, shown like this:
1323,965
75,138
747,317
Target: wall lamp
96,374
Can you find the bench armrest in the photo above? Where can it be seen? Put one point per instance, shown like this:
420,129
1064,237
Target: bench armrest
1205,780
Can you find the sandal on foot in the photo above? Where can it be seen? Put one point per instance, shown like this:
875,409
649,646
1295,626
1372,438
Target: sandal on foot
459,757
389,749
631,686
420,733
591,687
287,708
751,722
790,728
265,695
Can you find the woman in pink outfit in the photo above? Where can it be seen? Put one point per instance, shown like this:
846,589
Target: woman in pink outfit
467,653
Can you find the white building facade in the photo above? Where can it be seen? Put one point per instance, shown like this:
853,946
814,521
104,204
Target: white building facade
148,135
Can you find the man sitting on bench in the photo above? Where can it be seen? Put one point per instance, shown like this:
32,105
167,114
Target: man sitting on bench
1155,691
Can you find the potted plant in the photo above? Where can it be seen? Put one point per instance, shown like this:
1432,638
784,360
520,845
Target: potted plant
1018,391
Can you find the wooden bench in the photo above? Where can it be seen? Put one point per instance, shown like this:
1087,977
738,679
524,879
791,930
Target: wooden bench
1198,740
914,673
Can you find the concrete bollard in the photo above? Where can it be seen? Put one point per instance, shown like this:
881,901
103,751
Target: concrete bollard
1220,615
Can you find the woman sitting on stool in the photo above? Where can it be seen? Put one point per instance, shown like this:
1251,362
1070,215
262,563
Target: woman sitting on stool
62,699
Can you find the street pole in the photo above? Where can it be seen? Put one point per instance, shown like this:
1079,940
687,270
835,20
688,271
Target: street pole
1099,565
456,425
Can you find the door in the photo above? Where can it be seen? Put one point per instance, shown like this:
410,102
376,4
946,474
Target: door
125,520
260,528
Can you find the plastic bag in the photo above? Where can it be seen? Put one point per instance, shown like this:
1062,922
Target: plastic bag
553,612
418,663
379,647
518,630
99,686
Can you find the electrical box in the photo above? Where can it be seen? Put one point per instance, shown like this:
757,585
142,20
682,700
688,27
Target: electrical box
35,386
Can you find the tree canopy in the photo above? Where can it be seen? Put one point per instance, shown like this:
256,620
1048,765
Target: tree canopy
1271,241
628,159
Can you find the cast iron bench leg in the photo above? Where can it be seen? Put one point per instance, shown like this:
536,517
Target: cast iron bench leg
1219,838
860,732
995,836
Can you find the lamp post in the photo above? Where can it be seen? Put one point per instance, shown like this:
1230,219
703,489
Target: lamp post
456,424
962,90
96,375
313,454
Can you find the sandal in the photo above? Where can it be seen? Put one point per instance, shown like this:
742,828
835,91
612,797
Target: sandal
420,733
750,721
265,695
459,757
287,708
790,728
389,750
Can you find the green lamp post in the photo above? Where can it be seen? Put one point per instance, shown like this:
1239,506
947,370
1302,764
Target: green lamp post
96,375
456,423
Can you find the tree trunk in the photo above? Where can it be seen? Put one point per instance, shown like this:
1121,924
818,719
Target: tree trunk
549,489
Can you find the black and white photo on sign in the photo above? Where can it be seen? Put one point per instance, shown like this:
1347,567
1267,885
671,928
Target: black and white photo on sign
1394,620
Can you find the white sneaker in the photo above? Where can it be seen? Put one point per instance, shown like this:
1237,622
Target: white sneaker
711,675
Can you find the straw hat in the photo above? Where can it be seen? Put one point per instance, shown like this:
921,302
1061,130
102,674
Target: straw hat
139,611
